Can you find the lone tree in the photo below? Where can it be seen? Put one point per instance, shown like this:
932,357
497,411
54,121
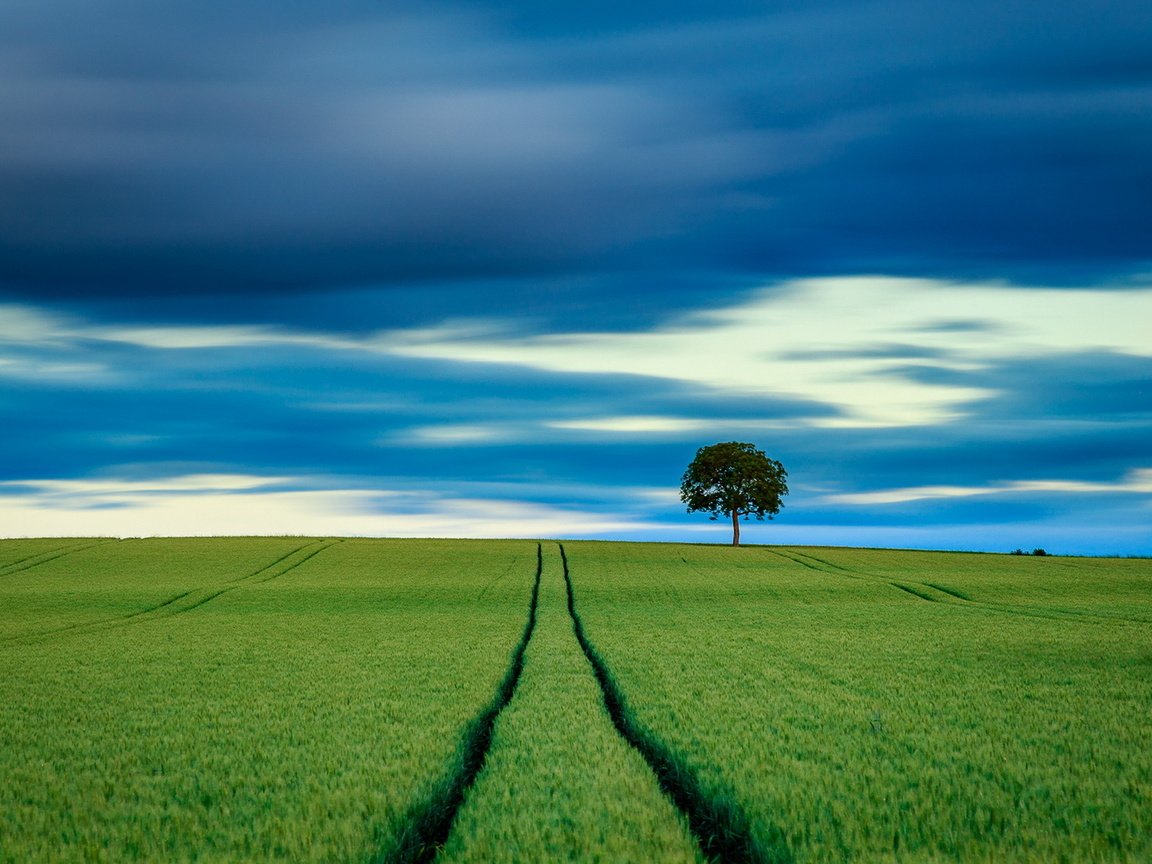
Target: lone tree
734,479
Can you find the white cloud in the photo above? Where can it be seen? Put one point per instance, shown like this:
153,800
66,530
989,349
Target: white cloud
655,496
28,325
849,344
33,369
631,424
37,345
845,342
652,424
1138,481
456,433
634,424
229,336
502,433
209,505
100,490
911,493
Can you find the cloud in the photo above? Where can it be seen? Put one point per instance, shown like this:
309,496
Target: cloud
39,346
21,324
827,340
27,327
1136,482
196,337
452,434
248,150
314,153
633,424
48,371
538,432
204,505
492,411
105,491
681,428
836,353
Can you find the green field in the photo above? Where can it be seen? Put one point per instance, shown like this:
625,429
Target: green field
307,699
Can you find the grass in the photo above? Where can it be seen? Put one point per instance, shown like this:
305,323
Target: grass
260,699
718,823
559,784
290,719
86,583
859,722
430,820
17,555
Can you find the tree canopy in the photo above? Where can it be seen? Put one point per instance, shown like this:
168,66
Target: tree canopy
734,479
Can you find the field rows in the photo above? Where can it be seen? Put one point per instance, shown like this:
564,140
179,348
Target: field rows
854,721
293,718
559,782
916,585
303,699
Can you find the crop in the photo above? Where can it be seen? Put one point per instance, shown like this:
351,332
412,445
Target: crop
90,583
871,705
18,554
402,701
276,712
559,784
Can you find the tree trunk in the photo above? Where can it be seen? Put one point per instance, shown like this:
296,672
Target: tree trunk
735,528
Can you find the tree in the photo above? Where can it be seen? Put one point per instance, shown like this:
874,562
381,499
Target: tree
734,479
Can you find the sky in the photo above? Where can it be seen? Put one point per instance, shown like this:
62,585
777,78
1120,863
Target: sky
500,269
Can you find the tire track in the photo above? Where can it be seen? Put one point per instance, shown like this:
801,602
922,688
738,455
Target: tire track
719,825
430,821
30,557
919,590
283,558
825,563
803,563
494,582
9,569
956,599
169,607
909,590
250,580
207,594
951,592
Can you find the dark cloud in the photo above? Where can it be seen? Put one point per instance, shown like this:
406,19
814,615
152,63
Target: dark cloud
535,303
256,148
293,166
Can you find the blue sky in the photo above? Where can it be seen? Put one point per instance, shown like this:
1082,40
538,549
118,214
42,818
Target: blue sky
471,269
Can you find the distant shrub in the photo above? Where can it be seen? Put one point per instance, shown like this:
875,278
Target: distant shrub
1017,552
1039,552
